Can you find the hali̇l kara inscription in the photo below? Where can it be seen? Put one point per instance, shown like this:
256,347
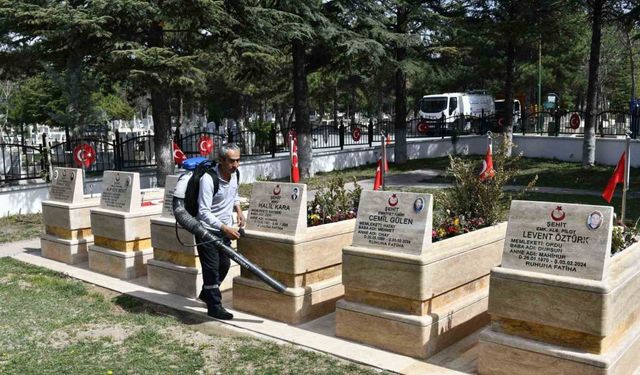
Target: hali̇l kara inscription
400,222
66,185
559,239
278,208
121,191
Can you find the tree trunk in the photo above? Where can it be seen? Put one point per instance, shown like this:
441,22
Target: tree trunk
508,94
632,64
589,143
400,149
301,110
160,109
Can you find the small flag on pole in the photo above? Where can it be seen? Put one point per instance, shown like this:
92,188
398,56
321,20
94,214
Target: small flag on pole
487,165
178,155
295,170
616,178
377,183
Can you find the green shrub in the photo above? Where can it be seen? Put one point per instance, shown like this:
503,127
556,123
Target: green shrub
473,203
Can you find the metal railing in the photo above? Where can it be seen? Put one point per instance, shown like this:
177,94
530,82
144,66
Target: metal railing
20,162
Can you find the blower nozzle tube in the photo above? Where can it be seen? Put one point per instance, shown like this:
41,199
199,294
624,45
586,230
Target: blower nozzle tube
192,225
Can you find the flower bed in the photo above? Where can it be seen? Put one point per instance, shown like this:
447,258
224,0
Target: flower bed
334,203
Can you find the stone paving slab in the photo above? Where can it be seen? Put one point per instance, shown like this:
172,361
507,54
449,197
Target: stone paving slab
14,248
315,335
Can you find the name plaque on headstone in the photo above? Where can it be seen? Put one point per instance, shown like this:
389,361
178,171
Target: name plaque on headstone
169,187
559,239
66,185
121,191
278,208
400,222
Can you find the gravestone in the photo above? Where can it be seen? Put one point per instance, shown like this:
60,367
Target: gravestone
278,208
169,188
121,227
420,296
397,222
66,185
560,303
66,218
121,191
308,260
558,239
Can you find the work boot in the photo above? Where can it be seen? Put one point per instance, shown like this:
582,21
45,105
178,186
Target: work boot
206,297
219,312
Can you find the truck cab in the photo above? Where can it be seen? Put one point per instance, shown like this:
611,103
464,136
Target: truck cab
456,104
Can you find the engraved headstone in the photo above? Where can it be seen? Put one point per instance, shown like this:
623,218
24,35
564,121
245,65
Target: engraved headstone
278,208
121,191
66,185
398,222
169,187
559,239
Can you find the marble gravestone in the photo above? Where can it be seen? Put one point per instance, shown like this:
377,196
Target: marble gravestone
66,218
558,239
121,191
420,296
560,303
308,260
397,222
121,227
278,208
66,185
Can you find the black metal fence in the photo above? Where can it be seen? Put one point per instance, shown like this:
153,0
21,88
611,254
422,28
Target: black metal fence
29,162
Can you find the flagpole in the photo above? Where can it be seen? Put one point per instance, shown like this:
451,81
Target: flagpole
384,158
290,157
625,184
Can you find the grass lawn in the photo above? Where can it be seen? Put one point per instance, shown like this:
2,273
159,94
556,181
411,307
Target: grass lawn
20,227
52,324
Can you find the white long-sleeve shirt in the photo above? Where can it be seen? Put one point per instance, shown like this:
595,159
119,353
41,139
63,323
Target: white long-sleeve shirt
214,211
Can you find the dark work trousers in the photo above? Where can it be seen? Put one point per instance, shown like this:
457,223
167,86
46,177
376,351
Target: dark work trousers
215,266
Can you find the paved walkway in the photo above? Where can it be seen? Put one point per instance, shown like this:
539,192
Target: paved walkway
316,335
15,248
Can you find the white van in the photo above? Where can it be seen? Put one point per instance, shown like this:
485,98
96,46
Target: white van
455,104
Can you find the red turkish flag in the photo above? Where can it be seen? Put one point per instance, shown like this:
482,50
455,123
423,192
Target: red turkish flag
377,183
295,171
487,166
178,155
618,177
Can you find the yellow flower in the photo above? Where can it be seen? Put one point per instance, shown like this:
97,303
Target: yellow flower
441,232
456,221
109,372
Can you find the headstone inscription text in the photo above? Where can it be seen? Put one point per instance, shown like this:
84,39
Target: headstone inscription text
121,191
169,187
400,222
558,239
278,208
66,185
